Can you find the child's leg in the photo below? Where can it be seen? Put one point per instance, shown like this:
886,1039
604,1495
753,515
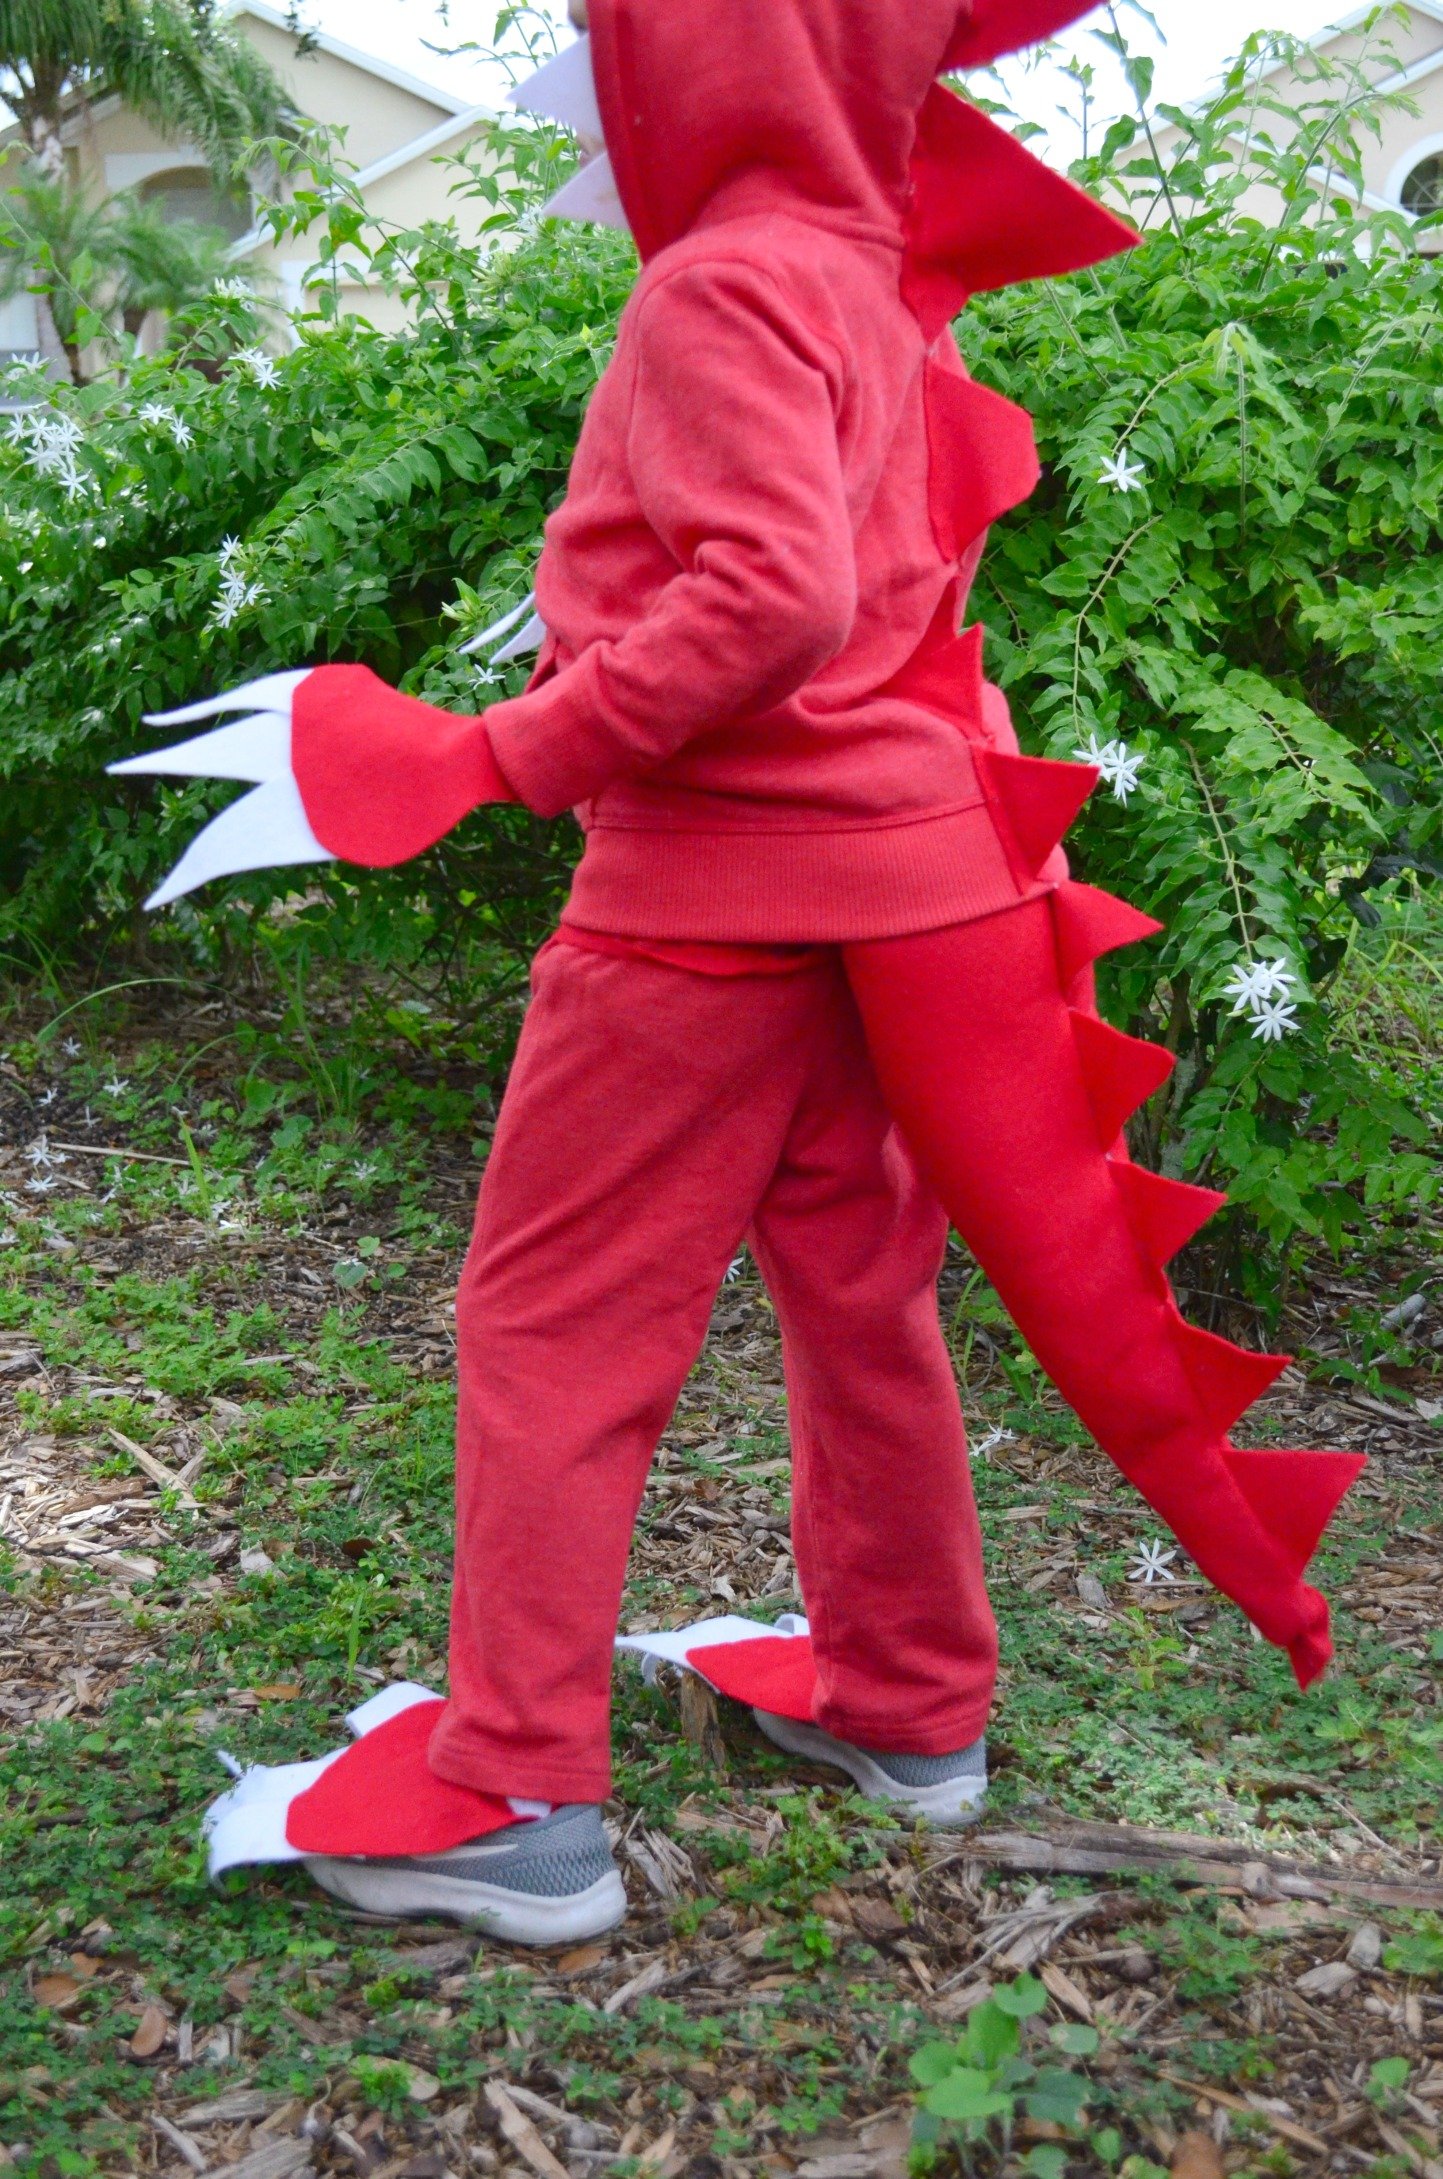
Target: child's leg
643,1120
1007,1099
888,1549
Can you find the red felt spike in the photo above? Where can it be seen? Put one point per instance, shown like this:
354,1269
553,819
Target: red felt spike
1294,1495
382,1797
1089,923
994,27
1165,1214
1038,797
1121,1072
1227,1378
776,1673
985,213
983,454
945,674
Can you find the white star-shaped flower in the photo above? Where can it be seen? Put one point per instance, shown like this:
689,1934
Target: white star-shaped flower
1273,1019
735,1268
1123,475
983,1446
257,365
1153,1562
364,1171
1118,765
47,1097
115,1087
71,1047
37,1186
181,432
1253,982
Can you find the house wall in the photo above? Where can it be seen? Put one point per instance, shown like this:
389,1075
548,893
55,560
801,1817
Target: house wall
1402,140
111,148
377,116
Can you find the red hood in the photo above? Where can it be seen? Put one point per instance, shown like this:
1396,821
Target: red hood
715,108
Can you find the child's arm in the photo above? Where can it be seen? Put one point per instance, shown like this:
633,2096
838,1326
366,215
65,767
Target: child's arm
734,454
735,457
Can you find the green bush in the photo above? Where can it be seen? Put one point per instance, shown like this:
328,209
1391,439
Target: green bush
1232,573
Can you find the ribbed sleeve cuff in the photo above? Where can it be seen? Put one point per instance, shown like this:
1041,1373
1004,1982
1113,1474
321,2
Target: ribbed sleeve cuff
553,744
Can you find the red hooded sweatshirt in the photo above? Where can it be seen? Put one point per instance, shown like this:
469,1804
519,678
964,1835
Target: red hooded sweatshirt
752,690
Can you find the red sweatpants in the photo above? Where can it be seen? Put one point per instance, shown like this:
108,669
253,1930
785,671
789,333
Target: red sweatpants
653,1119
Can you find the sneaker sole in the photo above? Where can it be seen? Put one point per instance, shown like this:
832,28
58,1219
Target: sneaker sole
513,1917
952,1804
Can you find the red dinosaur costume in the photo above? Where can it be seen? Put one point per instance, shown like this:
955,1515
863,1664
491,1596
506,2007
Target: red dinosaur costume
823,979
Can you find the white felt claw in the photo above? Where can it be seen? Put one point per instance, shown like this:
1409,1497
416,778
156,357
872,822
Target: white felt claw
527,639
591,196
273,692
256,749
563,89
265,830
507,622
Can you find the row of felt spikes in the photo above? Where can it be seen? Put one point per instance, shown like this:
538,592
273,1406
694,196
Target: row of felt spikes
1293,1493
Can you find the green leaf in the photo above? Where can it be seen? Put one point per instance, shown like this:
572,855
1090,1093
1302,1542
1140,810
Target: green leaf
1048,2159
992,2034
966,2093
1022,1998
1073,2036
1057,2096
933,2062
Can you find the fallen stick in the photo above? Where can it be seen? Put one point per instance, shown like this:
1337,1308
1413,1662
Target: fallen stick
1287,2127
165,1478
104,1150
1223,1864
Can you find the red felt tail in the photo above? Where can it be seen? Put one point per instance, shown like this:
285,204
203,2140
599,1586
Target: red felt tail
977,1042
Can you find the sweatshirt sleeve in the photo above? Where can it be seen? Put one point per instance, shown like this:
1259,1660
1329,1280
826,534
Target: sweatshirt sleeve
734,455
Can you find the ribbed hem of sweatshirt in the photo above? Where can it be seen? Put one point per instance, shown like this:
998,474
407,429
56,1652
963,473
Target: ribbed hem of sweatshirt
803,887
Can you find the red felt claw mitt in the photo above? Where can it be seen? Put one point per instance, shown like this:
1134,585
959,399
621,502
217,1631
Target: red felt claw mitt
343,764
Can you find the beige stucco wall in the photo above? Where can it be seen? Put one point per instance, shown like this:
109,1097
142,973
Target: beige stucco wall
113,148
377,116
1402,139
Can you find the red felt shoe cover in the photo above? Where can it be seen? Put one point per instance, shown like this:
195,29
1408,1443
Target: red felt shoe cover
382,1797
775,1674
384,776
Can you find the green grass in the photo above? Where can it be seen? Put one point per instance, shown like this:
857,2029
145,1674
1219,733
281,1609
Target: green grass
326,1451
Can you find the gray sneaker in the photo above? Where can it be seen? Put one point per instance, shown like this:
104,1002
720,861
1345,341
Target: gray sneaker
941,1789
549,1882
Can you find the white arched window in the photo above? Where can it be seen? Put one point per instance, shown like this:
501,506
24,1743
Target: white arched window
1416,182
191,193
1422,189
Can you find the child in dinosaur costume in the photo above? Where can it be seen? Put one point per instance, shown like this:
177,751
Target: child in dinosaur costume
823,981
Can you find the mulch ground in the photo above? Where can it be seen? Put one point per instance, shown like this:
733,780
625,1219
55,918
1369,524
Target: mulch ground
926,1924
